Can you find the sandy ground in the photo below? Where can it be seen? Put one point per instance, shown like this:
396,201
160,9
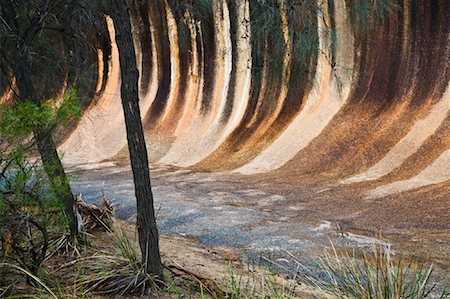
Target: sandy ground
217,264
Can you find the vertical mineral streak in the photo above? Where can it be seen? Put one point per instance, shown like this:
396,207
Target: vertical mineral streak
323,102
358,104
193,147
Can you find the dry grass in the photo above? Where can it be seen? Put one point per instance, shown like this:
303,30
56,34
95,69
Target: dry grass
374,275
110,267
118,272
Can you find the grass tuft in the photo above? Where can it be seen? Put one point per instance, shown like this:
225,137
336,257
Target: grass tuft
263,284
33,277
374,275
118,273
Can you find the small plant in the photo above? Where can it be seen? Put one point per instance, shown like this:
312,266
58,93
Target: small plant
234,287
374,275
25,211
263,284
29,212
117,273
37,281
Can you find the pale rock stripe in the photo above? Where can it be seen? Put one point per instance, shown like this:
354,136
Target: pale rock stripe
228,62
195,80
244,68
285,77
409,144
219,133
100,69
101,132
207,137
322,103
174,63
437,172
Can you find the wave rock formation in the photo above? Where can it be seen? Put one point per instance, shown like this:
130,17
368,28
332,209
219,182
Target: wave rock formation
293,95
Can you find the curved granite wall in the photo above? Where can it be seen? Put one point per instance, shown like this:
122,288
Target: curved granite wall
297,92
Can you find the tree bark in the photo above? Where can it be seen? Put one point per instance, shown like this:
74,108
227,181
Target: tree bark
43,136
57,176
47,148
146,223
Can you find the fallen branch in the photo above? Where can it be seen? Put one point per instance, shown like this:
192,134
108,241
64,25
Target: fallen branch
94,217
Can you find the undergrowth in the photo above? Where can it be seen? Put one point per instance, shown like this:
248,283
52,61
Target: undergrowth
109,266
374,274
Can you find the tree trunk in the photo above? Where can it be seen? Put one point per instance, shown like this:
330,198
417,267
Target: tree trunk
43,136
57,176
146,223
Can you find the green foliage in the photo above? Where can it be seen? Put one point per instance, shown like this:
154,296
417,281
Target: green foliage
118,271
69,108
62,49
22,184
126,249
30,216
374,275
365,14
31,276
269,46
29,212
22,181
2,205
18,121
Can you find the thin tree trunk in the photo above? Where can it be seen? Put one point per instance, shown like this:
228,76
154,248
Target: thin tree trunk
146,223
47,150
44,139
57,176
